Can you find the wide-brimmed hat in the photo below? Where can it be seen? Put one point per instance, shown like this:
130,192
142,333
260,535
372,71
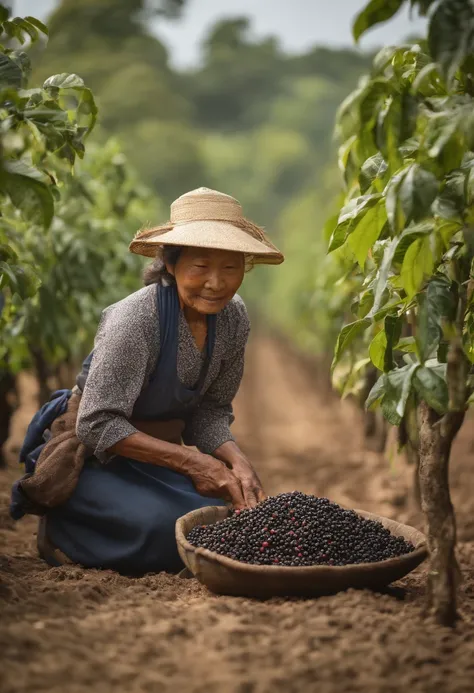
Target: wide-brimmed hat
205,218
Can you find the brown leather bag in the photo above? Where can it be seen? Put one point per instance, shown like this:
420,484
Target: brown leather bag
60,463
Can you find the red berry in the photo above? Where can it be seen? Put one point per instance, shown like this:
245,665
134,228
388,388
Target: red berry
272,531
265,544
275,560
300,555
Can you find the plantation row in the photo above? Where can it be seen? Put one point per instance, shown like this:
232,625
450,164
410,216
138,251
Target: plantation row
405,237
401,248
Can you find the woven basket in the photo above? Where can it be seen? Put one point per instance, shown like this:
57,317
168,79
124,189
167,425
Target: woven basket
224,575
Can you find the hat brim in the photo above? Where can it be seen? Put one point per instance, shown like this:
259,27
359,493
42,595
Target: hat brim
217,235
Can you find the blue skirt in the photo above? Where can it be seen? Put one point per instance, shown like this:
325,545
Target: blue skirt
122,516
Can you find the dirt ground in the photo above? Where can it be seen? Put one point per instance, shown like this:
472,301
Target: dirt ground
68,629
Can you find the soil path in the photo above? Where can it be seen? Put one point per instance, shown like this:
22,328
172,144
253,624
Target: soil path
77,630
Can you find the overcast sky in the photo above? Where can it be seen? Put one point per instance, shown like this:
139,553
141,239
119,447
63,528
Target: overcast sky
298,24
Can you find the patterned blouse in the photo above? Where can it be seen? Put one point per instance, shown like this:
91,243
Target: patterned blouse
126,351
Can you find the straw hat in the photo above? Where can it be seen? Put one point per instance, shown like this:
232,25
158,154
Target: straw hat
205,218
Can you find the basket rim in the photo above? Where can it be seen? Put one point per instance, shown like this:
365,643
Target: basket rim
420,552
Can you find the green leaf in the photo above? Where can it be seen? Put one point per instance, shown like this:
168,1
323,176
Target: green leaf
470,187
441,128
365,303
10,74
347,115
376,394
28,282
382,276
383,58
394,211
372,170
418,263
390,131
377,350
349,217
382,345
347,336
23,61
425,77
432,388
13,31
411,234
398,385
87,106
416,192
375,93
451,35
436,304
4,14
39,25
29,191
375,12
407,345
19,167
64,81
27,28
366,232
381,313
7,277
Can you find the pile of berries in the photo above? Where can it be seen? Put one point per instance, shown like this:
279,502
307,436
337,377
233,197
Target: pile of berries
294,529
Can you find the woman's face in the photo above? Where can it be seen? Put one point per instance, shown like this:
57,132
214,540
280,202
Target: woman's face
207,279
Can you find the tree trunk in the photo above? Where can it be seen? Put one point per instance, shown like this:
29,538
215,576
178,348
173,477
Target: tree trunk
7,386
42,373
435,449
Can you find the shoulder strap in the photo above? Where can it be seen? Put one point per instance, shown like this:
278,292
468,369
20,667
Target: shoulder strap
168,313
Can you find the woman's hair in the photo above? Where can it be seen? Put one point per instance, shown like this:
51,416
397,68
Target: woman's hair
156,273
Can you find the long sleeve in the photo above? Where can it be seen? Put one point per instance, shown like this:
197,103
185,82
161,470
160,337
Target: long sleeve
209,427
123,358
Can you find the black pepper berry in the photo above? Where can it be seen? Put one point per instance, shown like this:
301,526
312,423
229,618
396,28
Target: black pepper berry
328,534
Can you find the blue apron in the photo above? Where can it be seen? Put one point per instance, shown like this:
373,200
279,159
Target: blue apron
122,515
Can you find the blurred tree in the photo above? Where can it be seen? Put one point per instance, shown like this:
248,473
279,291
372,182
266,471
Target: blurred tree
108,43
239,78
168,155
251,121
114,21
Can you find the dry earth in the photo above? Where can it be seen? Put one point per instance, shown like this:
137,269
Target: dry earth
77,630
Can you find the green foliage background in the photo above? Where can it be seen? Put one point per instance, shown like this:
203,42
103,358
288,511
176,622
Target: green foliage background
251,121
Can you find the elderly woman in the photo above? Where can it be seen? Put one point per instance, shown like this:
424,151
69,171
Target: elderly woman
166,365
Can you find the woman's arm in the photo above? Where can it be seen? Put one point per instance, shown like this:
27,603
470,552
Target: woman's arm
125,351
209,476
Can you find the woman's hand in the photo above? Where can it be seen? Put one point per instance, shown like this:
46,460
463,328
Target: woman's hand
249,481
212,478
234,458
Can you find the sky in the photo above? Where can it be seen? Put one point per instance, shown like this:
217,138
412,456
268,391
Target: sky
298,24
